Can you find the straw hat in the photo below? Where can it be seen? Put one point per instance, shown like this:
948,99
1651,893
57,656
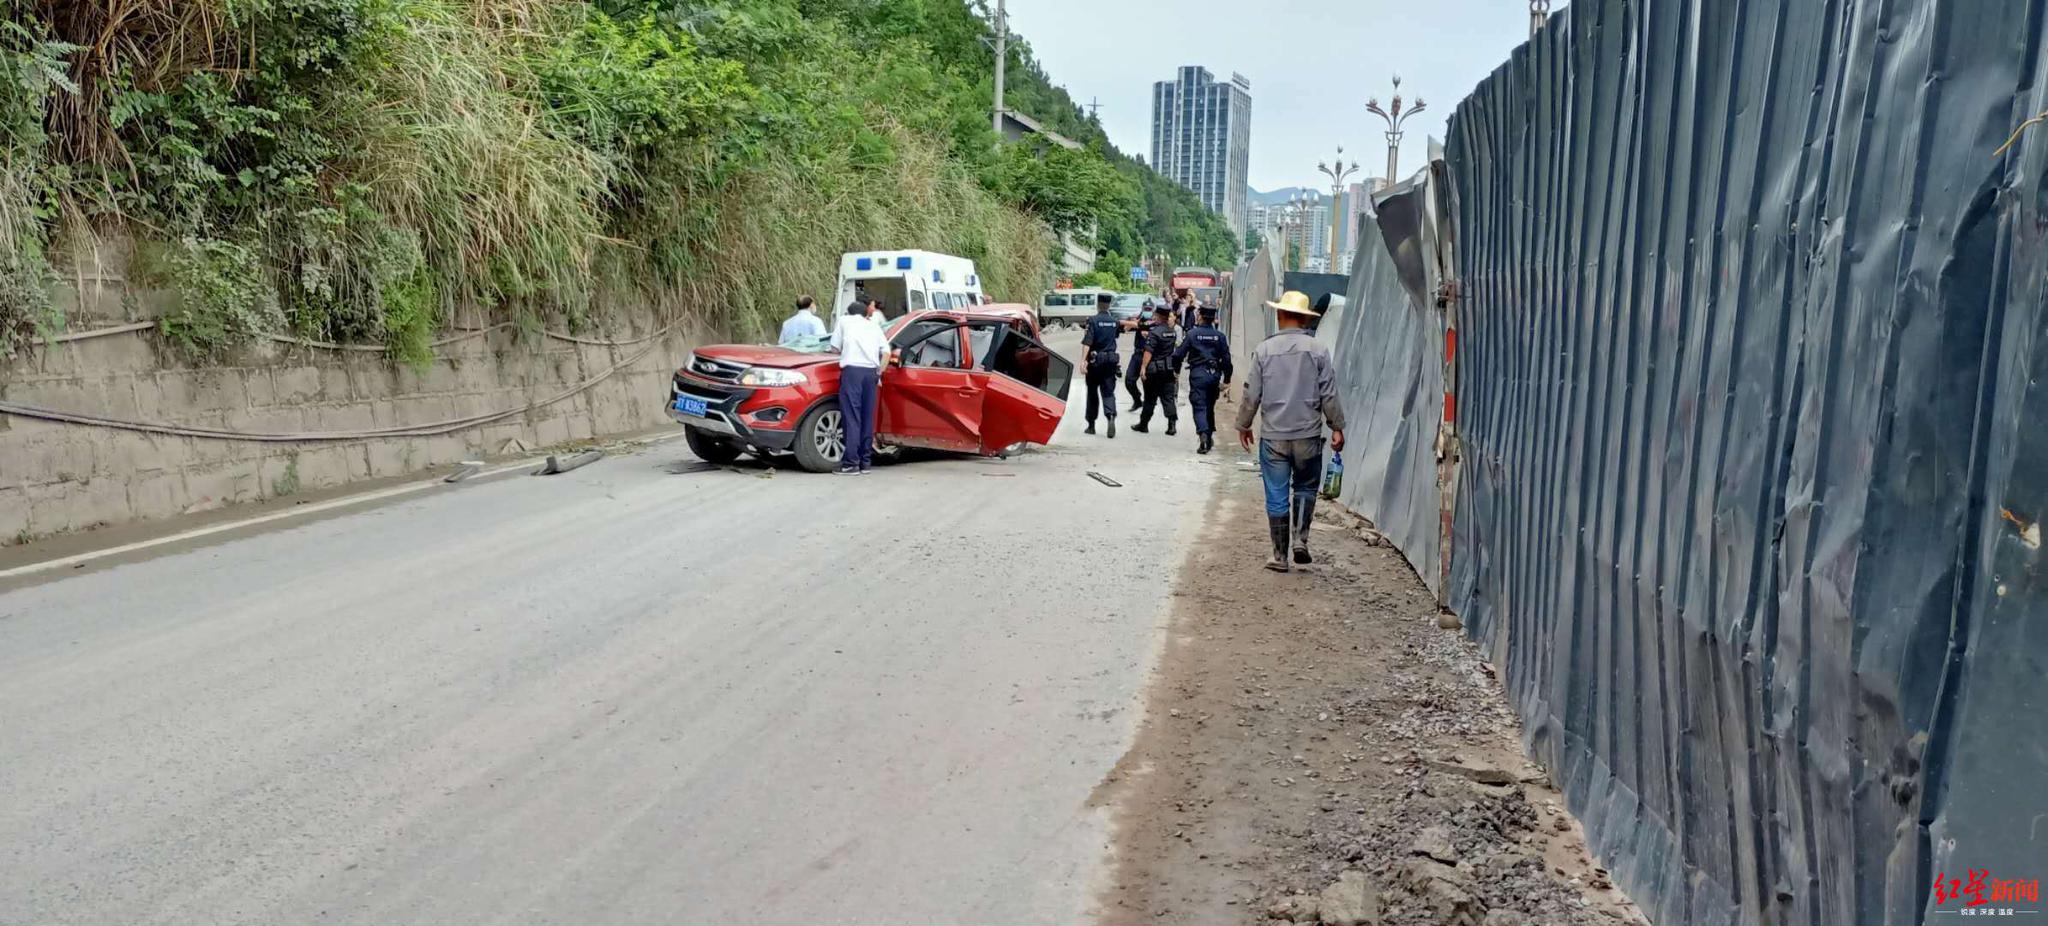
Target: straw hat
1296,304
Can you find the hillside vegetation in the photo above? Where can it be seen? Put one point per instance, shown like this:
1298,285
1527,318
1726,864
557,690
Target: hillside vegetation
353,169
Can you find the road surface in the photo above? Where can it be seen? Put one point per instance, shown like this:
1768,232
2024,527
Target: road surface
622,695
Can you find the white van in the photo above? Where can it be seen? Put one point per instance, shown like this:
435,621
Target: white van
908,281
1068,306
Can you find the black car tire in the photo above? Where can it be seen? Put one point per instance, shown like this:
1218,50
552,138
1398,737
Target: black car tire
709,447
821,438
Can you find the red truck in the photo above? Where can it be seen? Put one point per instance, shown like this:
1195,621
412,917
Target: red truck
972,380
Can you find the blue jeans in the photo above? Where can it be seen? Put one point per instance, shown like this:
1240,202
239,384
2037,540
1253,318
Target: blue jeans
858,389
1291,470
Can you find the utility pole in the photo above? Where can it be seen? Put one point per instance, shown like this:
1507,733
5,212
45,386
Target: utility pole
1539,13
1002,63
1095,108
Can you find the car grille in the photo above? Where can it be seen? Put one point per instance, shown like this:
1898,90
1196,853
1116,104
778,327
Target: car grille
720,370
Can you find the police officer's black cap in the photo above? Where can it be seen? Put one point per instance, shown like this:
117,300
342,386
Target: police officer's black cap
1208,311
1104,299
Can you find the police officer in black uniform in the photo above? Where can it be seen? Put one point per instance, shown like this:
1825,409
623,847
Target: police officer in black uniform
1162,384
1098,344
1206,351
1132,375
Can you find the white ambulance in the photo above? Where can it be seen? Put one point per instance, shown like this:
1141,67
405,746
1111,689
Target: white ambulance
908,281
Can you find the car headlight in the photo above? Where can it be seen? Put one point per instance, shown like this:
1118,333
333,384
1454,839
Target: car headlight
768,377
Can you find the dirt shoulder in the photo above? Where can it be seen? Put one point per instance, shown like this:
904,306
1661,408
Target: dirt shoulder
1318,750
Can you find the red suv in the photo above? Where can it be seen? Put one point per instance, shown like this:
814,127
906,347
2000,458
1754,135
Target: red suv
973,380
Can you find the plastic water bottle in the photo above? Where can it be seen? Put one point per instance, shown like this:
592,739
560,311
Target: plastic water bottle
1333,477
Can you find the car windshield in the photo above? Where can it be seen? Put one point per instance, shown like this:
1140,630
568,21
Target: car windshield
1132,301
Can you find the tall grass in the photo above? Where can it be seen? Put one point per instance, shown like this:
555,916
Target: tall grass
453,150
358,169
782,228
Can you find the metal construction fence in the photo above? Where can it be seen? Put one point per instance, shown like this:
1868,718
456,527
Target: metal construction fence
1744,472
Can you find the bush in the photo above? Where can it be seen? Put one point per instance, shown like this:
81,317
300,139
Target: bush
351,170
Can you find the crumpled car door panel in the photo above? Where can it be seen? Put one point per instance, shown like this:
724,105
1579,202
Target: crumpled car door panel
932,407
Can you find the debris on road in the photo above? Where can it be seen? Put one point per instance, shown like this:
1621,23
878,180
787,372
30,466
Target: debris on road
557,465
467,469
1105,480
1352,762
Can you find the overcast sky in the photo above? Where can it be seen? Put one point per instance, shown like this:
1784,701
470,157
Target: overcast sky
1312,64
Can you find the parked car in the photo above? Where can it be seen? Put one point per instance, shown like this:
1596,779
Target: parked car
1070,307
1131,305
976,380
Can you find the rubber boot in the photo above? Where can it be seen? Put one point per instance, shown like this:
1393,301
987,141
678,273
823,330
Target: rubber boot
1277,524
1306,515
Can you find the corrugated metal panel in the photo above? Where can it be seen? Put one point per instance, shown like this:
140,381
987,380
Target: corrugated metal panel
1749,355
1390,351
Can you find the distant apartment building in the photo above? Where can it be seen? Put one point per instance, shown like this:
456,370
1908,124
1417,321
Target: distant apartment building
1202,138
1307,228
1357,202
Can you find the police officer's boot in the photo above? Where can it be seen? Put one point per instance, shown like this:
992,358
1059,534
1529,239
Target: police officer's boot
1171,423
1277,524
1304,516
1091,428
1206,445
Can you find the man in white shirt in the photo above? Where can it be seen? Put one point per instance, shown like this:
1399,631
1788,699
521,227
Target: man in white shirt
804,324
863,351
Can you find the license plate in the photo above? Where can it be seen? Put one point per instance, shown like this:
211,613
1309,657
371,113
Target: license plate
689,405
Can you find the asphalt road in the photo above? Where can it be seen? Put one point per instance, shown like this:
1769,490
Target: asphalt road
621,695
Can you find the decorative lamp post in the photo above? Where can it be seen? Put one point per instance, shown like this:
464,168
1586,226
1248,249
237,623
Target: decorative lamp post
1395,116
1539,13
1338,172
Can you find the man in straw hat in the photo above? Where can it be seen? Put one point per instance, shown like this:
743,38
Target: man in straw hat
1293,386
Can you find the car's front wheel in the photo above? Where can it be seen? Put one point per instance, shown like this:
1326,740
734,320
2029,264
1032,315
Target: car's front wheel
709,447
821,438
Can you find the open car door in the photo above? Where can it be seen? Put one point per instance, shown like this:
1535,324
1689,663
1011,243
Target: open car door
931,399
1026,393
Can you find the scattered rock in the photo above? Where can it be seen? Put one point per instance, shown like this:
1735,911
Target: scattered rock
1442,890
1483,774
1504,918
1349,902
1448,621
1435,842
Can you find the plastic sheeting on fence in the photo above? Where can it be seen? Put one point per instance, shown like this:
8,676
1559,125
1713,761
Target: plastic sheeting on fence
1390,349
1749,395
1254,284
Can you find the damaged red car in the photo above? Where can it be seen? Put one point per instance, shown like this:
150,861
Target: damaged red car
975,380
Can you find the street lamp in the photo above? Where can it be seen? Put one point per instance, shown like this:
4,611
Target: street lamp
1293,217
1394,116
1539,13
1338,172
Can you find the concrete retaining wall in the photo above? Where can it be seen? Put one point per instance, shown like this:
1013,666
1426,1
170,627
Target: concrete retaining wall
62,477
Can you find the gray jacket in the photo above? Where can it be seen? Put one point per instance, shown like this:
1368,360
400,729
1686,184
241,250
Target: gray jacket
1293,385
